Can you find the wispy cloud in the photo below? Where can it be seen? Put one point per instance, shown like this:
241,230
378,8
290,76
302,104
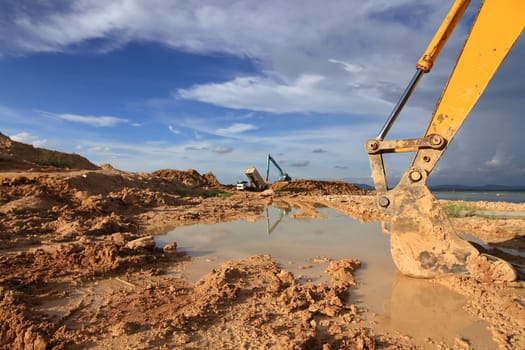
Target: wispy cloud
195,148
500,158
173,129
300,164
236,128
307,93
347,66
96,121
99,149
223,150
102,121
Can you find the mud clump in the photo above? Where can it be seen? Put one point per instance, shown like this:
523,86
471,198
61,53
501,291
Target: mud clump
274,311
246,303
19,328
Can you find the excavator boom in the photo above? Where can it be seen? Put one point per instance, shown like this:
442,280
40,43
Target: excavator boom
423,241
282,175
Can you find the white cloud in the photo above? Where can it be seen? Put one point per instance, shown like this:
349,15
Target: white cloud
28,138
99,149
296,51
305,94
498,159
173,129
236,128
240,27
96,121
347,66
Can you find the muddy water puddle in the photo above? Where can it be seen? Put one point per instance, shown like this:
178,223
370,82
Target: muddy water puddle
430,314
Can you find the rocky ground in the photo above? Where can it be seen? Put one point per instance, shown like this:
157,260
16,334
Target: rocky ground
79,267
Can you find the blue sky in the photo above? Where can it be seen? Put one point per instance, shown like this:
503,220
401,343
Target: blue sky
217,85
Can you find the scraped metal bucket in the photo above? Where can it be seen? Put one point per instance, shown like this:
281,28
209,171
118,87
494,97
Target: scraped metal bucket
423,242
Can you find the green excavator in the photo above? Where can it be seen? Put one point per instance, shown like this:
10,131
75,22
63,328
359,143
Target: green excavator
282,175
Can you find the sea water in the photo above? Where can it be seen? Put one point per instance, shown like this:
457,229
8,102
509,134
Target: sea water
491,196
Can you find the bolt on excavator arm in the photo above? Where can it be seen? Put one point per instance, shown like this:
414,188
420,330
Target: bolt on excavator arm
423,241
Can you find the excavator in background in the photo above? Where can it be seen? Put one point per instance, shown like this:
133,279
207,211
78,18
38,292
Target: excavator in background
282,175
423,241
256,181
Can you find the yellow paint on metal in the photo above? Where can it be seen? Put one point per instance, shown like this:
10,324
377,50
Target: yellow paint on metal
498,25
426,61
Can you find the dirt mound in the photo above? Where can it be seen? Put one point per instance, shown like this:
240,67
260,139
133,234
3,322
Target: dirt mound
317,187
19,156
190,178
246,303
62,206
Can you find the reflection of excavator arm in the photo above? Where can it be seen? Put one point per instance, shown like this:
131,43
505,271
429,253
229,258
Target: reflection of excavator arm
282,213
423,242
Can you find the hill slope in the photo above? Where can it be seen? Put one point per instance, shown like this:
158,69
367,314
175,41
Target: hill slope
20,156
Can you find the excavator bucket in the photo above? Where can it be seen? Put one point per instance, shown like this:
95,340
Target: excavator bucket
424,244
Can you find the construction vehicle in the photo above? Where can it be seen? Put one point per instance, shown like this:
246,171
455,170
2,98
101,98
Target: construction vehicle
282,175
423,241
241,185
256,181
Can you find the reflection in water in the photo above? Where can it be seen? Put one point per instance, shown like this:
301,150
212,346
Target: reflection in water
283,212
417,308
425,309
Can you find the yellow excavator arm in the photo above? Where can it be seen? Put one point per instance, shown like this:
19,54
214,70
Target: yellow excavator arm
423,241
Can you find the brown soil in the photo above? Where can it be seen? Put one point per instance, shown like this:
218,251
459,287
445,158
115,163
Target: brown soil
79,268
19,156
